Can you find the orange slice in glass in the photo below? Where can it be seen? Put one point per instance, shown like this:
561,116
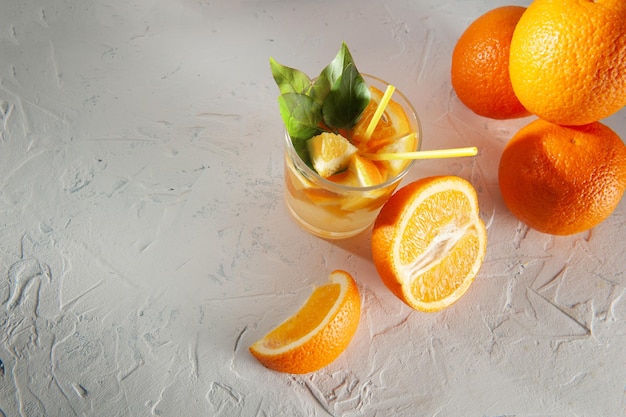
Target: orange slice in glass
330,153
393,124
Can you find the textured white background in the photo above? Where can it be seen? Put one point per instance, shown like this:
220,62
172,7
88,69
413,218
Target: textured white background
144,242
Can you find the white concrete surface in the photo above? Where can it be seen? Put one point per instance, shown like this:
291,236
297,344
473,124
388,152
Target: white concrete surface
144,242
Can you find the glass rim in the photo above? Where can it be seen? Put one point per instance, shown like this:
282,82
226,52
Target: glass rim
311,173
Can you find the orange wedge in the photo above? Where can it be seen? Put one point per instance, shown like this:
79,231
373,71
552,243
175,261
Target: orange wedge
361,172
393,124
406,143
318,333
364,171
330,153
428,242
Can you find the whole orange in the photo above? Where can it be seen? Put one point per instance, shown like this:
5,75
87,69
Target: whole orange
563,180
480,65
568,59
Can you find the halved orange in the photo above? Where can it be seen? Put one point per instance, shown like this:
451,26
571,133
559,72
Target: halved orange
429,242
318,333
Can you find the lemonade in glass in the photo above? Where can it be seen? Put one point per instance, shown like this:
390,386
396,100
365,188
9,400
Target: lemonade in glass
339,171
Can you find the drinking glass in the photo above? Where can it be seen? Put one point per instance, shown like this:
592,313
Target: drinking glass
335,211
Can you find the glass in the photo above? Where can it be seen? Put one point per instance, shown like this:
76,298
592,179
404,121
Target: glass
336,211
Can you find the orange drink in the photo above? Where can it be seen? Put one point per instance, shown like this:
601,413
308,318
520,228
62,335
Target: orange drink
344,200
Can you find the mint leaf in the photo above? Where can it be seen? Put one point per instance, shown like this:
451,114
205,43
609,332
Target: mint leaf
331,73
289,80
347,99
334,100
300,145
301,114
320,89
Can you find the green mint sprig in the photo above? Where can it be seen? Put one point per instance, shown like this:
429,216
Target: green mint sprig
332,101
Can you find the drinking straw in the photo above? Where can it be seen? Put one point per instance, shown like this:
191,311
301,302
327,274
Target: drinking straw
382,105
434,154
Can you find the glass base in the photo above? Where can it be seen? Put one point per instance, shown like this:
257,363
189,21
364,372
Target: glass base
325,234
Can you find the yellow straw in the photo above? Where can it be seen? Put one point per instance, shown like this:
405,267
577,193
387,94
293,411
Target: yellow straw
382,105
439,153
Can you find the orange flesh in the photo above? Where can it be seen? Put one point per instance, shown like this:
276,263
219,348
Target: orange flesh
392,126
444,278
442,209
306,319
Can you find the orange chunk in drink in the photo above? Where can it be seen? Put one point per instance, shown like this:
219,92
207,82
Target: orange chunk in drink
393,124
